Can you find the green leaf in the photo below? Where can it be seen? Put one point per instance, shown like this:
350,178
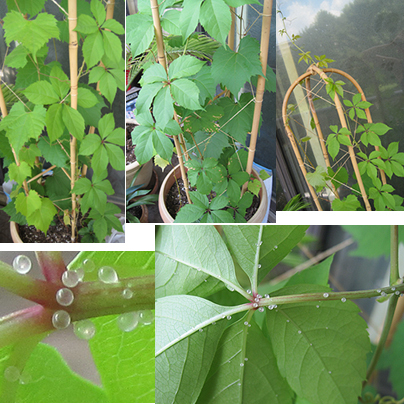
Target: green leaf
27,205
53,154
318,178
114,26
186,93
19,173
171,22
93,49
233,69
178,319
245,366
26,6
184,66
86,25
21,126
41,93
97,73
98,10
112,46
42,219
177,268
86,98
350,203
216,19
74,121
60,81
204,81
239,3
163,107
277,242
189,17
142,138
146,95
189,213
108,87
162,144
139,32
17,58
33,34
322,349
115,156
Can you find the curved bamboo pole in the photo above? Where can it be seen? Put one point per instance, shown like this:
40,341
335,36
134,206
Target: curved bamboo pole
265,31
163,62
73,51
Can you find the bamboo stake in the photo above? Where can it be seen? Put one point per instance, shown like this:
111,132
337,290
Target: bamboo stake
162,61
73,51
4,112
265,31
230,38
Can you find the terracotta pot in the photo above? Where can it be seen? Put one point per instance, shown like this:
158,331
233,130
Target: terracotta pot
170,179
15,235
144,176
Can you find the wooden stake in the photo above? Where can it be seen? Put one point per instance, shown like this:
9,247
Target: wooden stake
73,50
265,31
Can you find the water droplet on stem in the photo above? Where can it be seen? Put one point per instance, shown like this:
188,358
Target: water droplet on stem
61,319
64,297
107,275
22,264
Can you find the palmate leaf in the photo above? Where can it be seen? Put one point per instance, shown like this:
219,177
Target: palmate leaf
277,242
233,69
26,6
244,369
177,270
320,348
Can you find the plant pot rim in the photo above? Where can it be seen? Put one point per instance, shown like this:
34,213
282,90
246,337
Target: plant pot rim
15,234
167,218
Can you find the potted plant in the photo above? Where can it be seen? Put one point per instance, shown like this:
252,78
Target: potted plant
254,337
178,105
54,132
138,198
353,143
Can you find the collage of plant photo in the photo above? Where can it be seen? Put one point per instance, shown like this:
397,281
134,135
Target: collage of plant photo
220,163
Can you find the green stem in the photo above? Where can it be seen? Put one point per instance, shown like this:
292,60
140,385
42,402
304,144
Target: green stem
394,275
254,285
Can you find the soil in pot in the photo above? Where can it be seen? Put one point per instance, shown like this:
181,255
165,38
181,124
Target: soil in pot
130,148
136,211
56,234
175,201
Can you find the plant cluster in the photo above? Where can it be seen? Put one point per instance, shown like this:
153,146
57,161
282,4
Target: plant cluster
250,340
108,298
351,140
178,100
48,139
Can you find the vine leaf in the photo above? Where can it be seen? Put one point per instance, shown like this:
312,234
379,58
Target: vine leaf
233,69
277,242
181,251
216,19
257,380
320,349
139,26
189,17
26,6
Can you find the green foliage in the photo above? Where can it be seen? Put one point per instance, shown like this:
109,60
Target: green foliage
46,105
186,90
312,349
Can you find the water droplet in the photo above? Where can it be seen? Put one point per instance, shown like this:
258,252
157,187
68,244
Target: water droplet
249,291
379,291
318,306
146,317
393,288
271,307
256,299
200,330
25,378
287,321
259,296
230,288
79,272
329,372
70,279
276,247
249,326
128,321
343,300
107,275
11,374
127,294
22,264
214,323
246,359
205,280
326,328
228,317
397,292
259,266
238,384
255,305
84,329
88,265
245,322
299,332
64,297
241,364
326,295
261,309
61,319
384,294
266,296
198,269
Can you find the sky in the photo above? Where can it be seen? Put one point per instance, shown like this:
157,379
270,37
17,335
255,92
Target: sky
301,13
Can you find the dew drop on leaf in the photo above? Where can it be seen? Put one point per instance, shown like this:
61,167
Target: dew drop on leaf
228,317
88,265
230,288
80,273
11,374
127,294
70,279
146,317
249,291
22,264
61,319
245,322
259,266
299,332
200,330
64,297
246,359
318,306
343,300
128,321
107,275
84,329
255,305
25,378
261,309
241,364
326,295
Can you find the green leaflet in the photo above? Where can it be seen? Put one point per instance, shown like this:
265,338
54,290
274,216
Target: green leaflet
322,349
181,251
139,32
184,66
171,22
186,93
108,86
216,19
74,121
93,48
189,17
233,69
54,154
277,242
19,173
244,369
26,6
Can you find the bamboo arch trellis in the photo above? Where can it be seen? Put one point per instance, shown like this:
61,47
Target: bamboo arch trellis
312,71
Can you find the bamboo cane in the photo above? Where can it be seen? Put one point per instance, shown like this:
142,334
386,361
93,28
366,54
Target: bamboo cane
4,112
73,51
162,61
265,31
